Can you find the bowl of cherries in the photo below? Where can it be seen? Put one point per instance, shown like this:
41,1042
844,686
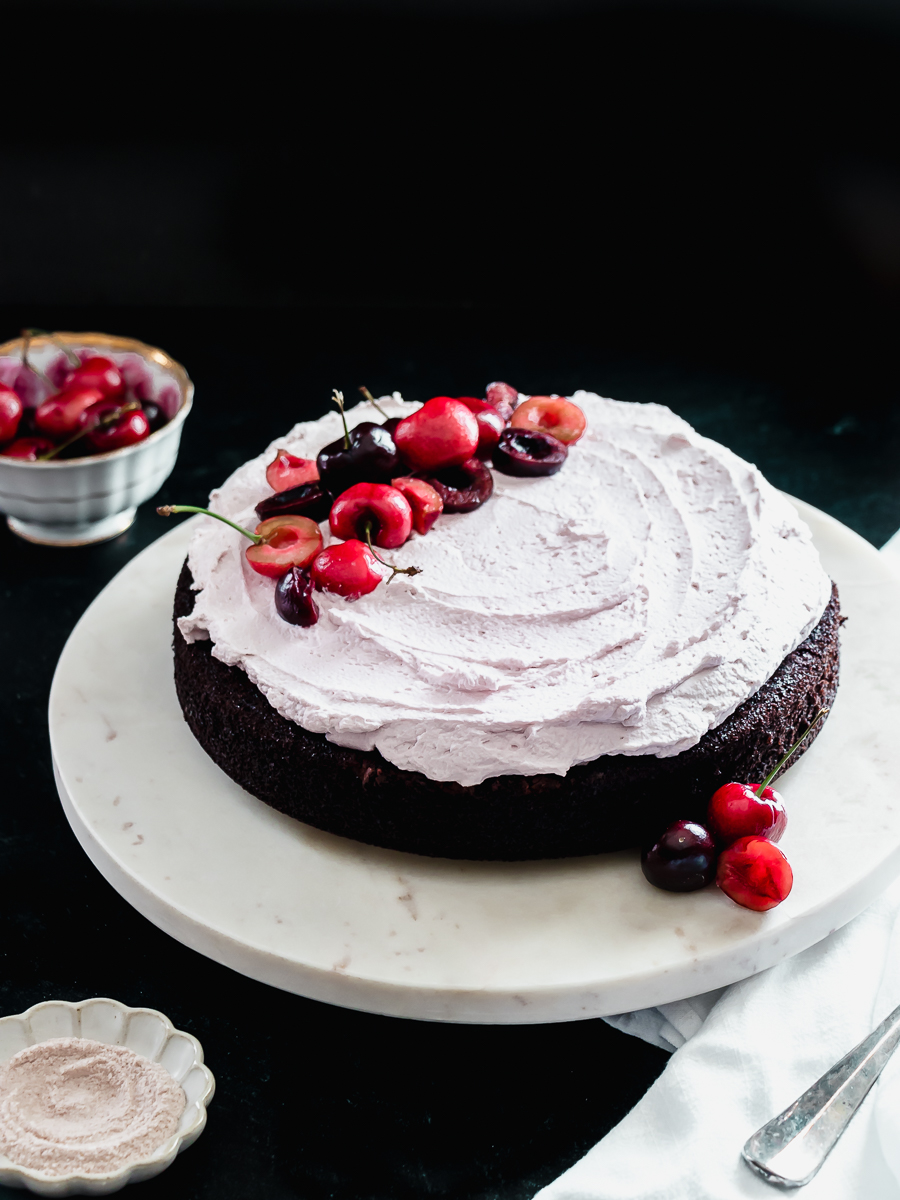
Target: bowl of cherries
90,426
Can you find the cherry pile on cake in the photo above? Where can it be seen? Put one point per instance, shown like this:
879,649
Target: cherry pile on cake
80,403
506,627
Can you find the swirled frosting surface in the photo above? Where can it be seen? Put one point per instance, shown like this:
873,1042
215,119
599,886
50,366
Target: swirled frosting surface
626,605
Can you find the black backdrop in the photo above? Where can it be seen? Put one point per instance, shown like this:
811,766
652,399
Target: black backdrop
698,206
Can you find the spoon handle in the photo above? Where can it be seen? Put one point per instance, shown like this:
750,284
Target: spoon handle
788,1150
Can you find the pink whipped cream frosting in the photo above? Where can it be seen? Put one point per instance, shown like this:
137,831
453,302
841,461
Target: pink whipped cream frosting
626,605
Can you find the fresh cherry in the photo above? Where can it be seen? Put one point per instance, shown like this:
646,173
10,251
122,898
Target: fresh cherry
490,424
108,432
464,488
442,433
527,452
682,860
754,873
391,424
347,568
741,809
425,502
154,414
372,510
28,448
502,397
278,543
97,372
284,542
294,601
10,413
550,414
58,416
735,811
287,471
307,500
365,454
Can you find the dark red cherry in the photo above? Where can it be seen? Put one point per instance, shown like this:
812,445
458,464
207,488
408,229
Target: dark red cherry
490,424
10,413
294,600
736,811
391,424
372,510
682,860
526,452
59,415
307,500
347,568
105,435
371,457
502,397
28,448
100,373
156,418
463,489
754,873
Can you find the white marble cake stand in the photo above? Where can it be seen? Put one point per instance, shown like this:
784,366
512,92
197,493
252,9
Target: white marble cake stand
403,935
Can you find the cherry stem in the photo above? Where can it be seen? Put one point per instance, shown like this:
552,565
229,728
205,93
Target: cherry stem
371,399
74,360
27,335
338,398
166,510
394,570
108,419
813,723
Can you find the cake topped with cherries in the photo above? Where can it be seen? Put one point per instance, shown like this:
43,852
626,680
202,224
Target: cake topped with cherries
572,654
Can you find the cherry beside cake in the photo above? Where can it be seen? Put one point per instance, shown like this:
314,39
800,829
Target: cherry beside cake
501,628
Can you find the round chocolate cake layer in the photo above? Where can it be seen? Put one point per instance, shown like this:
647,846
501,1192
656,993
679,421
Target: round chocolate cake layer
609,804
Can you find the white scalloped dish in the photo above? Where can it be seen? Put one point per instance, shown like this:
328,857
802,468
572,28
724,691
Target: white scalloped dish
146,1032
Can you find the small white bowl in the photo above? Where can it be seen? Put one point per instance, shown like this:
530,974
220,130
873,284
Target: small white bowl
143,1030
76,501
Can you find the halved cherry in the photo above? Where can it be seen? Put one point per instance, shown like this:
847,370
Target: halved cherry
97,372
490,424
372,510
550,414
284,542
278,543
502,397
464,488
424,501
10,413
287,471
347,568
58,416
28,448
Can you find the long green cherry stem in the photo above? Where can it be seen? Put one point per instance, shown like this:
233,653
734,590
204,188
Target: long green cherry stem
394,570
166,510
108,419
371,399
338,398
813,723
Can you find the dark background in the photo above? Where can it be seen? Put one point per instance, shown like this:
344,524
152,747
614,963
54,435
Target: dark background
694,205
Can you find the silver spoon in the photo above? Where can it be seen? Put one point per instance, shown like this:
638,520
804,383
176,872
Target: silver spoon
788,1150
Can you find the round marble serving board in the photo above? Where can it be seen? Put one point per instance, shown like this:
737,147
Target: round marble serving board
408,936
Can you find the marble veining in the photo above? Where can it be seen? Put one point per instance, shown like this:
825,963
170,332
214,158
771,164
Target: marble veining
462,941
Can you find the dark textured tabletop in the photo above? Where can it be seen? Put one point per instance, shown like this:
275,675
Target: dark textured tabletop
691,205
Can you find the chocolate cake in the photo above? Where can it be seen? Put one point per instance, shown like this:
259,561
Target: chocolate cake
611,803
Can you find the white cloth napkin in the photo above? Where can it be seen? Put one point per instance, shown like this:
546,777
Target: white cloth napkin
740,1055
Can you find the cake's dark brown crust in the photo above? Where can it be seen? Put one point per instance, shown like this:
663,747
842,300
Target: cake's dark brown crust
608,804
